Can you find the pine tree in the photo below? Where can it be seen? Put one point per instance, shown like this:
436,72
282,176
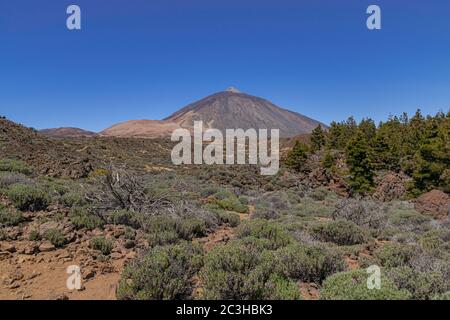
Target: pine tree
328,160
359,161
432,159
297,157
317,138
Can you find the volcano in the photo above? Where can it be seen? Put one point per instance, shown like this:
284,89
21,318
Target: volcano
229,109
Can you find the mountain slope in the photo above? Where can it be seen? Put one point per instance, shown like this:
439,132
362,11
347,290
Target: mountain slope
228,109
140,129
232,109
66,132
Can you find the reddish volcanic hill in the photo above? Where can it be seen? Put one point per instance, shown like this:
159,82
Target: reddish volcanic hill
67,132
141,129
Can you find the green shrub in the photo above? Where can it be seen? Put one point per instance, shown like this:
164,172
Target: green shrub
161,230
408,219
15,166
73,199
3,235
394,254
280,288
444,296
435,242
34,235
352,285
309,207
7,179
125,217
55,188
229,218
81,218
222,194
421,285
237,271
10,217
129,234
319,194
102,244
262,229
189,228
28,198
163,273
341,232
56,237
232,204
308,263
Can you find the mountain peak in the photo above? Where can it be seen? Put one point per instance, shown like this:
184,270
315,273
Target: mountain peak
232,89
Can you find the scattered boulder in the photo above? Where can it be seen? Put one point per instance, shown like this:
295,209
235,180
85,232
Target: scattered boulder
30,249
43,228
116,255
8,247
46,247
434,203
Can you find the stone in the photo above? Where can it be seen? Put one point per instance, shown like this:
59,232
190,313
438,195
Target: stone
8,247
116,255
89,274
46,247
30,249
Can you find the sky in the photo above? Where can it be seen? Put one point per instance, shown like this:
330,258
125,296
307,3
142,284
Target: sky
145,59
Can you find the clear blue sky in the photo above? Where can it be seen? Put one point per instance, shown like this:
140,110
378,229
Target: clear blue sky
142,59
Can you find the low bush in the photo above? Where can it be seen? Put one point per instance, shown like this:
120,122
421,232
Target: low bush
229,218
237,271
275,234
408,219
129,234
56,237
280,288
10,217
444,296
34,235
394,254
163,273
222,194
352,285
7,179
73,199
308,263
341,232
12,165
308,207
436,242
28,198
82,218
125,217
102,244
319,194
189,228
3,235
161,230
421,285
232,204
363,212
